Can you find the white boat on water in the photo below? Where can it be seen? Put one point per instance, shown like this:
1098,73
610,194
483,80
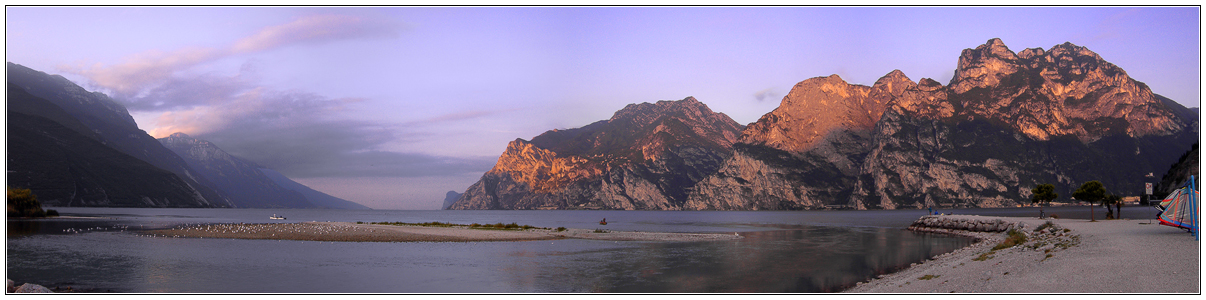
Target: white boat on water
275,217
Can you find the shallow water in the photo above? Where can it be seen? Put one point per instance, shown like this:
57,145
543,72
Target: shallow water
808,251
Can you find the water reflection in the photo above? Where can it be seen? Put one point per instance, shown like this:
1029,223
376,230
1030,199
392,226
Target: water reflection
773,256
791,260
21,228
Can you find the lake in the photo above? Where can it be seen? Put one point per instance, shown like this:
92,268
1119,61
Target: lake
781,252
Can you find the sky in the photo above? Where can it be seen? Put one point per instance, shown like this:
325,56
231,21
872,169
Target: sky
392,107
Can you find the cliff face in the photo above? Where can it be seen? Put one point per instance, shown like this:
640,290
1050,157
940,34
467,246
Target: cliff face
1067,90
646,156
806,152
1006,123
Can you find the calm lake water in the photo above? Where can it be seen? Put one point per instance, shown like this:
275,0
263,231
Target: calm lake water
801,251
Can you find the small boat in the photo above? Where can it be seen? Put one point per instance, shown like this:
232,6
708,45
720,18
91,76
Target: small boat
275,217
603,222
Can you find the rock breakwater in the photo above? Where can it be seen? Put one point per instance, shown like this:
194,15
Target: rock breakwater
946,224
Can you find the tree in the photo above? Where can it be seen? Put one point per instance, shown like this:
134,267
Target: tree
1043,194
1109,200
23,203
1092,192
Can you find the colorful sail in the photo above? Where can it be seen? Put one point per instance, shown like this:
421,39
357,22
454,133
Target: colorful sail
1181,209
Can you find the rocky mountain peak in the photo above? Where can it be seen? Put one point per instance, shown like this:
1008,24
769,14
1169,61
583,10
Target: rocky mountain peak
983,66
815,107
1068,48
1066,90
1030,53
637,130
646,156
927,84
644,112
894,83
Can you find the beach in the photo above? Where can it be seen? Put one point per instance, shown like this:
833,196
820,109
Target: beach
1106,256
356,232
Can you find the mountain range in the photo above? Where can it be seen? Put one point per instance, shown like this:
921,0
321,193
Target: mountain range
646,156
1003,124
72,147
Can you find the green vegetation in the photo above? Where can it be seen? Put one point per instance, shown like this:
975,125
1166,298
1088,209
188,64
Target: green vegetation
1044,226
1112,199
501,226
600,231
512,226
1015,238
1043,194
985,256
426,224
1092,192
22,203
928,277
559,229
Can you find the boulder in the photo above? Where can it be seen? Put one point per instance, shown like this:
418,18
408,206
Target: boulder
32,288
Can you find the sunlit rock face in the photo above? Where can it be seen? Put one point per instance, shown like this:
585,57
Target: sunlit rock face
806,152
646,156
1065,91
1005,123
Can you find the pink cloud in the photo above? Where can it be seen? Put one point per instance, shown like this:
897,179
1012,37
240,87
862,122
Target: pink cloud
314,29
146,70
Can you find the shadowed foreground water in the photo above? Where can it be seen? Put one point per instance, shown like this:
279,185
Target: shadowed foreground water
780,252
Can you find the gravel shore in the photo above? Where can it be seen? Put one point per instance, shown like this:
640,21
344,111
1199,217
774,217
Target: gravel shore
353,232
1107,256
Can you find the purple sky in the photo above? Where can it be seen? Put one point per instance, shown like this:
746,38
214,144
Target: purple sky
392,107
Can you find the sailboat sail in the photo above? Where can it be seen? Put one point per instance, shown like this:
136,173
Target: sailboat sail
1180,209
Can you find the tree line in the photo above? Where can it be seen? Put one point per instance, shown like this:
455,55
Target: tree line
1092,192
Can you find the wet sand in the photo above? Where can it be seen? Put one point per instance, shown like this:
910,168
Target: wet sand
353,232
1107,256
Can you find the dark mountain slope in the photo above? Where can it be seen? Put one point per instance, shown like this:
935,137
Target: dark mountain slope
66,168
110,122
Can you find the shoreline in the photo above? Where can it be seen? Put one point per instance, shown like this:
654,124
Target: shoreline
353,232
1107,256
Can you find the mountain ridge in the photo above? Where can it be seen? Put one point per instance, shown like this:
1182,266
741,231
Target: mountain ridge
55,156
1004,123
246,183
110,123
644,157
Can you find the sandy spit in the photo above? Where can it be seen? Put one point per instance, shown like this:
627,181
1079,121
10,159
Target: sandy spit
1107,256
352,232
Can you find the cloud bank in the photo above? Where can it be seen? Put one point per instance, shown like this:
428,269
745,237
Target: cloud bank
146,70
298,133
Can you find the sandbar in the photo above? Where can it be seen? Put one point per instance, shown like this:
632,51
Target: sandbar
354,232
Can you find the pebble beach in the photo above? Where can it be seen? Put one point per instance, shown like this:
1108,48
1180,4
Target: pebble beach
1073,256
